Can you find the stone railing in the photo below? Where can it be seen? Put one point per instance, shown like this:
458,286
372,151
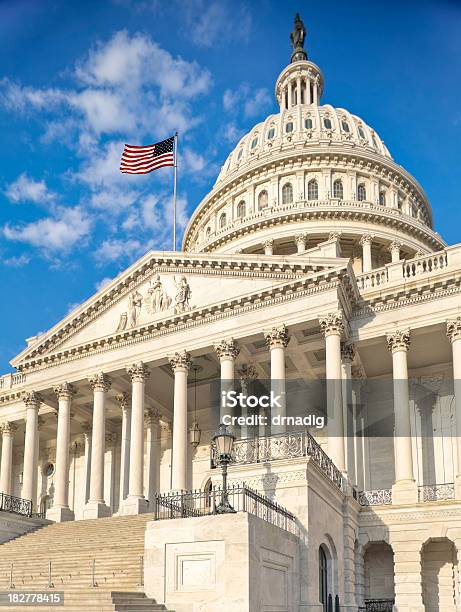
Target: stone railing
282,446
377,605
410,268
279,210
11,380
375,497
436,492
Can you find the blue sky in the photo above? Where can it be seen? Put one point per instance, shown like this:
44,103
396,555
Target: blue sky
78,79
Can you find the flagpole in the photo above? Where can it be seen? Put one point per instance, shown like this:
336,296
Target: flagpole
174,188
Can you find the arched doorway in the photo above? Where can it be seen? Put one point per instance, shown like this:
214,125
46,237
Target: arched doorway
45,504
439,572
379,576
323,578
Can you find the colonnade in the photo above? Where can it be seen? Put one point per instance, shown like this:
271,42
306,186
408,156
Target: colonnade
339,357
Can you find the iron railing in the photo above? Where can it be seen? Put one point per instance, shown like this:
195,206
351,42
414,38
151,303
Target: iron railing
436,492
16,505
282,446
377,605
376,497
187,504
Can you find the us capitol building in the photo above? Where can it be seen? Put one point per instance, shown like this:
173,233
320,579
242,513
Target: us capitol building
312,258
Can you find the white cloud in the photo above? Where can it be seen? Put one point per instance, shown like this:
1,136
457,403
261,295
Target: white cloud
102,283
250,101
57,233
256,103
16,261
115,249
232,133
26,189
211,23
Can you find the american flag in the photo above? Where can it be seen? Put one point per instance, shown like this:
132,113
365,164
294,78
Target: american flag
141,160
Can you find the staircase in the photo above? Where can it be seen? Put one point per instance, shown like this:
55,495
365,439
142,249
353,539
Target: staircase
97,563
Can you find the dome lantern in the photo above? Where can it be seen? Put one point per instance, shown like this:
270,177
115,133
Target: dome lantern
301,82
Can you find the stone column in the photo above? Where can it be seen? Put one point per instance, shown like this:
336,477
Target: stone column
124,403
347,357
111,443
301,241
86,427
268,247
180,363
246,374
407,571
96,506
405,490
277,340
227,351
60,510
136,502
298,91
29,488
332,326
308,91
394,250
365,241
7,430
454,335
152,418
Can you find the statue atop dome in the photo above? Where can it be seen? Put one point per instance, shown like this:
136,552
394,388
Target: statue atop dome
297,37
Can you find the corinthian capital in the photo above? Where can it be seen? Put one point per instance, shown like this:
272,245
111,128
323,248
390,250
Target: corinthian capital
181,360
247,372
332,323
366,239
138,372
8,428
301,239
100,382
31,399
454,329
64,391
123,400
334,235
151,417
398,340
276,337
395,246
348,352
227,349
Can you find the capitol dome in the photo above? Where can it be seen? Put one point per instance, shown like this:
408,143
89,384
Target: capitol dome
309,176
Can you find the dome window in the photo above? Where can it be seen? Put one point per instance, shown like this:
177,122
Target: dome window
361,193
289,127
327,123
241,209
222,220
308,123
375,144
312,190
263,200
361,132
271,134
208,231
287,193
338,189
254,142
240,153
382,198
345,126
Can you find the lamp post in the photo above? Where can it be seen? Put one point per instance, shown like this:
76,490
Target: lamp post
224,441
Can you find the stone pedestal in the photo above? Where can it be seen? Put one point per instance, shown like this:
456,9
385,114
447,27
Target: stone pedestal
135,505
94,509
405,492
59,514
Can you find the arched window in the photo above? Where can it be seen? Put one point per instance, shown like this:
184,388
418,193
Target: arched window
338,189
208,490
222,220
312,190
323,579
287,193
327,123
308,123
382,198
361,132
345,126
240,153
241,209
263,200
361,193
254,142
289,127
375,144
271,133
208,231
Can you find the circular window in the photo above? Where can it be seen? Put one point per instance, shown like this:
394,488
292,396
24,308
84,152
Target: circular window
48,470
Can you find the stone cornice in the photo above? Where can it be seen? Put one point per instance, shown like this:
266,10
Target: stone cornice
338,279
296,156
277,268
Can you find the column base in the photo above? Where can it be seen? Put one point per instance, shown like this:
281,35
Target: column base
408,608
134,505
94,510
405,492
59,514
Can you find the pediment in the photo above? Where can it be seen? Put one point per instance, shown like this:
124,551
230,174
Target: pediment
167,287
